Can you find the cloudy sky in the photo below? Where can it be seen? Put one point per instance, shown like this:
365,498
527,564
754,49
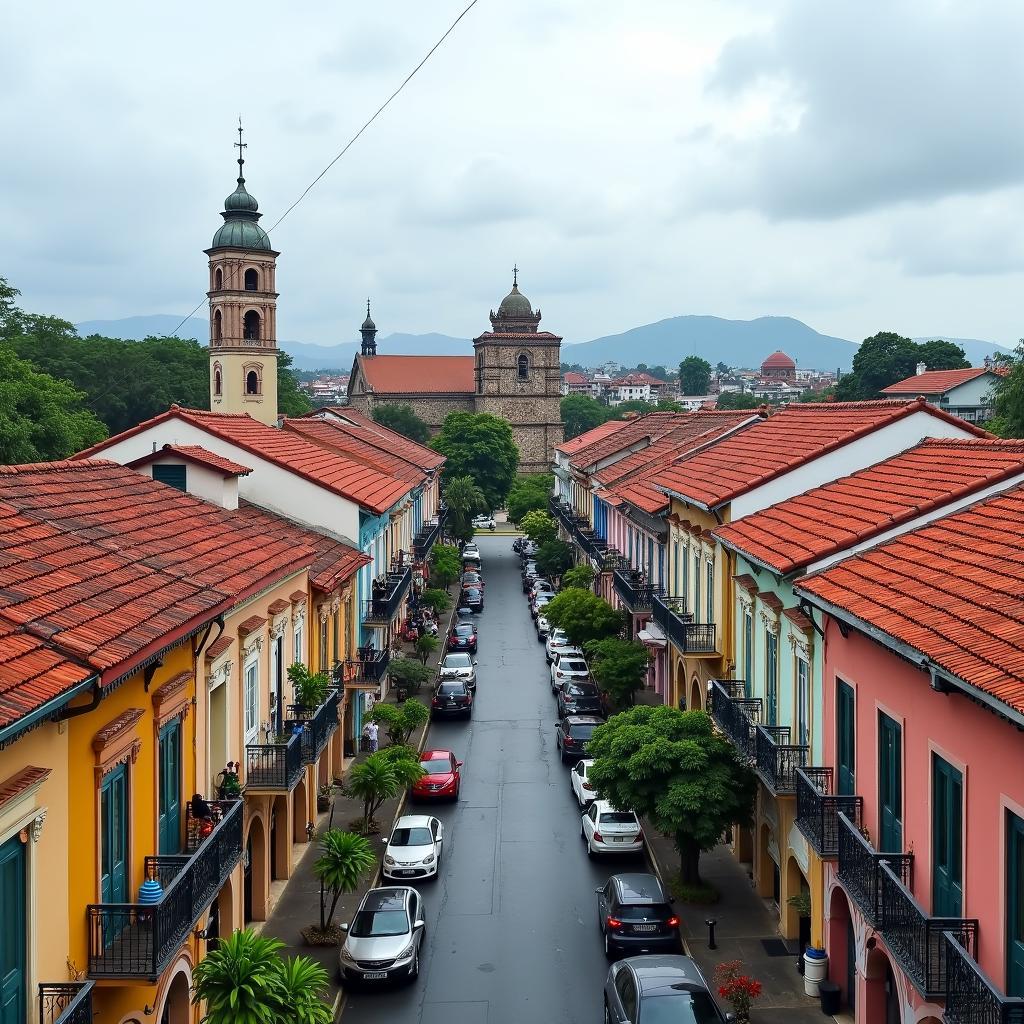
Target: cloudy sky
858,166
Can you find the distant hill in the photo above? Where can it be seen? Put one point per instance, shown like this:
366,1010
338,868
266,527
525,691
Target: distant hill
974,350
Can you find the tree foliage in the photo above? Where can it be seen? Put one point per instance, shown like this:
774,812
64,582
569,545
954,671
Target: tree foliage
425,647
1009,397
436,599
583,615
694,376
400,721
887,358
671,767
380,777
480,446
539,526
581,413
581,576
737,400
445,564
554,557
529,493
403,420
464,500
291,400
407,673
345,859
619,666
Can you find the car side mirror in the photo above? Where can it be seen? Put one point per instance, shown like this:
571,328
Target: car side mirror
344,927
730,1016
458,764
420,924
599,890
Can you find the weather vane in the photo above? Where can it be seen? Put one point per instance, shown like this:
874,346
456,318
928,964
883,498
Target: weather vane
515,276
240,145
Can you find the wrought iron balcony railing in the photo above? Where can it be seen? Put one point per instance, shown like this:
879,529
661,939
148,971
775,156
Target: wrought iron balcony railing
914,938
688,636
776,759
971,996
860,869
426,539
818,810
68,1002
563,512
138,940
318,725
735,714
634,593
387,596
369,665
275,766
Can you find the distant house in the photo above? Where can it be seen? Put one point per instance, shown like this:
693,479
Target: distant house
635,387
574,383
964,393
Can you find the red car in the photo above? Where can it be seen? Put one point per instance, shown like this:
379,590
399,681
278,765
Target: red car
442,780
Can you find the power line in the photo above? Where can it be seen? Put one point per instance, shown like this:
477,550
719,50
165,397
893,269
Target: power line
348,145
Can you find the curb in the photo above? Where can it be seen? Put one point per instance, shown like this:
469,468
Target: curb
653,861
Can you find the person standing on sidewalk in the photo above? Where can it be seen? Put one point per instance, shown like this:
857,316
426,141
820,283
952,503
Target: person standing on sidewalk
371,731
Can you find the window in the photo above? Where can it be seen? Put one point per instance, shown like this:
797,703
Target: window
252,383
748,652
251,697
1014,905
218,382
947,839
709,569
251,326
684,561
173,476
297,641
323,646
335,620
524,367
803,702
252,280
218,280
169,796
218,321
845,738
114,836
626,988
890,785
676,571
13,930
696,586
771,674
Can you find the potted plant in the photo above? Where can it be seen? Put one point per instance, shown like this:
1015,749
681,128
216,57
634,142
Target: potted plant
229,786
738,988
310,688
323,797
801,903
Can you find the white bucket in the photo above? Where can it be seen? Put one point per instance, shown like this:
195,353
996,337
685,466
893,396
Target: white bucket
815,969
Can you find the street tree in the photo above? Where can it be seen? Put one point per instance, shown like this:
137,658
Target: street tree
581,576
674,769
694,376
619,666
554,557
400,721
345,859
737,400
425,647
583,615
436,599
445,564
403,420
539,526
380,777
406,674
480,446
581,413
1009,397
529,493
464,500
939,354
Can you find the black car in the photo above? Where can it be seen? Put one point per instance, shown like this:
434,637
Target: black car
572,734
462,637
452,699
636,916
472,597
654,989
579,699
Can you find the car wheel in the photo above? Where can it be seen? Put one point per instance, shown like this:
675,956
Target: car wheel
607,1015
458,790
414,971
590,852
608,954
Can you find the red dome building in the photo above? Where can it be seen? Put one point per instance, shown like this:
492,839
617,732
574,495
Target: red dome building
779,366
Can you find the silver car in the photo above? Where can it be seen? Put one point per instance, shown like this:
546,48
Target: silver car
458,666
659,990
382,944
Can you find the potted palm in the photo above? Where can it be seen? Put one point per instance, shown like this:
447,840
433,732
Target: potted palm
344,859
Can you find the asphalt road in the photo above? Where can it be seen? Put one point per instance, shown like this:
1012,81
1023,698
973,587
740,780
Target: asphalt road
512,931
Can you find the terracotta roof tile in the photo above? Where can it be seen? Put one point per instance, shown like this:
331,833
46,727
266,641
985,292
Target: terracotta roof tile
638,431
589,437
791,535
219,646
784,441
197,455
11,788
572,377
934,381
251,624
770,600
952,590
419,375
374,433
801,621
276,607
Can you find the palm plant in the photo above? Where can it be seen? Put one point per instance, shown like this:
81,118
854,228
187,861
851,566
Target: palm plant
425,646
240,980
303,982
380,777
464,500
344,859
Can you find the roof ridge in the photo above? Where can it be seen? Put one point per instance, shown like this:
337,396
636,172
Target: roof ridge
64,465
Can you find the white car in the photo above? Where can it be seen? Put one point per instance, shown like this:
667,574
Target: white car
414,849
483,522
581,788
540,586
568,666
606,830
558,642
543,627
470,553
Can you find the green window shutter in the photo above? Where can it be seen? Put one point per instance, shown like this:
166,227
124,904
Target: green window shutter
846,735
13,898
173,476
890,785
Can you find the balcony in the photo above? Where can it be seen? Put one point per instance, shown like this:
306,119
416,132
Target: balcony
735,714
776,760
274,766
317,728
388,593
818,810
137,941
563,512
971,996
860,868
369,666
634,593
66,1003
688,636
427,537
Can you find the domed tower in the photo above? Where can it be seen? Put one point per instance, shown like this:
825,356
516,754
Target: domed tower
369,333
243,309
518,378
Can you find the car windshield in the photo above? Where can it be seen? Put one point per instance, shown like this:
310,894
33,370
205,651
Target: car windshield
412,836
457,661
679,1008
571,665
436,765
581,732
447,688
464,629
617,817
581,690
472,594
369,923
636,912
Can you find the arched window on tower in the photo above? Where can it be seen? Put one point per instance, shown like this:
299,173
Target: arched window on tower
524,367
251,326
218,380
218,329
252,383
218,279
252,280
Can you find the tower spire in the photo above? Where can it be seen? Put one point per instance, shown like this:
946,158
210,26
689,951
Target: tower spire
240,145
515,271
369,333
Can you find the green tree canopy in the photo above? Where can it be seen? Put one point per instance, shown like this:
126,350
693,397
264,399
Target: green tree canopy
554,557
480,446
464,500
345,859
1009,397
581,413
291,400
694,376
581,576
403,420
539,526
619,666
445,564
887,358
671,767
942,355
721,368
529,493
583,615
737,400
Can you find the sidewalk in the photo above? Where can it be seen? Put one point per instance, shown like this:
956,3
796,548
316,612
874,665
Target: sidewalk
743,922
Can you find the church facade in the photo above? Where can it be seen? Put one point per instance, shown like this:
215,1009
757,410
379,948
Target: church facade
513,374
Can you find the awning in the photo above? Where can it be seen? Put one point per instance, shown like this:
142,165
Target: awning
648,639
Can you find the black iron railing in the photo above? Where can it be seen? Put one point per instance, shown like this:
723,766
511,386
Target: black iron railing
736,715
633,591
387,595
860,869
688,636
68,1002
666,609
971,996
318,725
369,665
563,512
614,560
776,759
135,940
273,765
818,810
428,534
914,938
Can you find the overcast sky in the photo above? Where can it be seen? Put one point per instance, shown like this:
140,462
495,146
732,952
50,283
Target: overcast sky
859,166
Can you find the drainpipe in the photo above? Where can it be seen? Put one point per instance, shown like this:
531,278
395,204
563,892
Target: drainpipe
97,696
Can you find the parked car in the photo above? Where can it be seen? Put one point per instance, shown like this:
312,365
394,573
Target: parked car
568,666
452,699
458,666
572,734
576,698
463,637
442,778
580,783
473,597
471,553
636,916
655,989
472,577
558,642
540,586
383,941
539,603
607,830
414,849
543,628
483,522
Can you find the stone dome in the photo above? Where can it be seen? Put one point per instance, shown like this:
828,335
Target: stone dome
778,360
515,304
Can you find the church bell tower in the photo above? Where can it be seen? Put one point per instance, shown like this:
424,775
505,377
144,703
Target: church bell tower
243,309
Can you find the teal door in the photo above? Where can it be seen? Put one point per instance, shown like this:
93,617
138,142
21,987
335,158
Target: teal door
12,932
947,839
1015,906
771,671
114,837
890,785
846,735
169,808
748,655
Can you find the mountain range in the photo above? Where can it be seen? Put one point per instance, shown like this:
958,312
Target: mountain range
665,343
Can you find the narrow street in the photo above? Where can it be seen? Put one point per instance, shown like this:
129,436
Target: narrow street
512,930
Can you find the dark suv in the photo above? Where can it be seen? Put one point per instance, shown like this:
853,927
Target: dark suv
579,699
572,734
452,698
636,917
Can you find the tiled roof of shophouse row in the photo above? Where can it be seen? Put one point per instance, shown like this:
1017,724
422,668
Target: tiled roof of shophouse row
388,440
933,382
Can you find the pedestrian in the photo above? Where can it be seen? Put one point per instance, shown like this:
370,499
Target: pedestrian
370,731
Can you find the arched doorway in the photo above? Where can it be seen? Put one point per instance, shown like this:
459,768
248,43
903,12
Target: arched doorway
177,1004
842,947
881,991
696,699
678,684
255,877
299,818
793,922
279,838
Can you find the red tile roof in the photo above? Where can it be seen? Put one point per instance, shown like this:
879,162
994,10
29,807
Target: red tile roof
795,435
419,375
934,381
197,455
572,377
638,380
343,439
791,535
588,437
779,359
634,431
389,440
952,590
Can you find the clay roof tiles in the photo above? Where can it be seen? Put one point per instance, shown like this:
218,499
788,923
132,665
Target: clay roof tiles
419,375
635,430
934,381
390,440
198,455
589,437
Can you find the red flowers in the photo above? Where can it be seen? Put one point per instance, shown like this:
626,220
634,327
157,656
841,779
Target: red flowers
735,986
